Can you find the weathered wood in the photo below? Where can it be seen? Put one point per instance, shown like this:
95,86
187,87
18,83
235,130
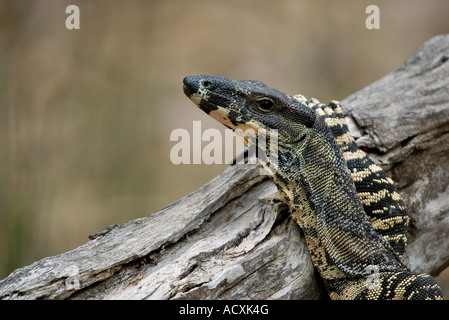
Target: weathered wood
232,239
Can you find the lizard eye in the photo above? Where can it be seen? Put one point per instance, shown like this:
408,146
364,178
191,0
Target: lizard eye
265,105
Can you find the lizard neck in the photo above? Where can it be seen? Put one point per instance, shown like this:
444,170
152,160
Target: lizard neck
313,179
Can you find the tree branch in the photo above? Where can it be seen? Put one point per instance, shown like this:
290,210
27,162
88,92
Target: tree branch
232,239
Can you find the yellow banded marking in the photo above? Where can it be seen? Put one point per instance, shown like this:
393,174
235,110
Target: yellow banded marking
333,122
386,224
366,198
344,139
395,196
362,174
359,154
380,211
300,98
385,181
338,110
328,111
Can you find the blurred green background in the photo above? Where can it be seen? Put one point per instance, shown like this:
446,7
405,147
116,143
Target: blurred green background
86,115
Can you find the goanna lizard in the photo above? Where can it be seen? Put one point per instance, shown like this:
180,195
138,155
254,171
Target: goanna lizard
350,212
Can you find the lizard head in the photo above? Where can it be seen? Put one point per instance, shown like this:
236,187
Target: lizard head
249,104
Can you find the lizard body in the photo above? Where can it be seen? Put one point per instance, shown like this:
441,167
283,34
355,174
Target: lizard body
350,212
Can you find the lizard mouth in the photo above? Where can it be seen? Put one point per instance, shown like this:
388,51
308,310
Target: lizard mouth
201,92
188,88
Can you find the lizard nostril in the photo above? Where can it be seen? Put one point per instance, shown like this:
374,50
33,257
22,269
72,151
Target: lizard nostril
206,84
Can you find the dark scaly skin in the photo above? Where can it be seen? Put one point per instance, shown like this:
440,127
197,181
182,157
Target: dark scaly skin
388,214
313,178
